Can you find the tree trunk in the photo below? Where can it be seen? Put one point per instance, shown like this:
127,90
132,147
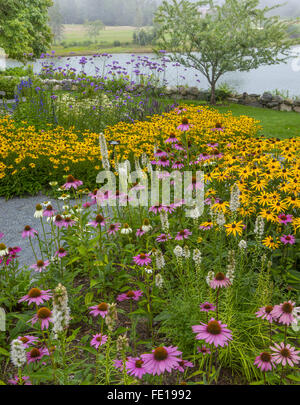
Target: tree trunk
213,94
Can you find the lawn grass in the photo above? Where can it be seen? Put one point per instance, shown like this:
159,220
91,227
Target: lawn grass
105,41
278,124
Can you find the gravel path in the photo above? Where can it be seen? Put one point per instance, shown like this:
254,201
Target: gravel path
15,214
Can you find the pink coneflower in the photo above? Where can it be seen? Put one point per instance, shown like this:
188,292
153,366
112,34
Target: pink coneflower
36,296
169,208
40,265
143,259
135,367
139,232
61,252
213,145
203,349
156,208
16,381
285,218
285,354
195,185
130,295
100,309
160,153
178,146
184,126
172,139
72,183
113,228
28,340
284,312
184,234
49,211
288,239
36,354
59,221
68,222
264,361
161,359
218,127
214,333
29,232
182,365
44,316
101,197
220,281
265,313
163,161
118,364
207,306
1,235
177,165
163,237
98,221
98,340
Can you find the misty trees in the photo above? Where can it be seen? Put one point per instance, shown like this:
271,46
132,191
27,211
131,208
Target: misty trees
93,28
24,27
56,22
236,35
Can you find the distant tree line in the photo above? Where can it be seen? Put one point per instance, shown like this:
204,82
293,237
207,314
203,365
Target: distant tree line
136,13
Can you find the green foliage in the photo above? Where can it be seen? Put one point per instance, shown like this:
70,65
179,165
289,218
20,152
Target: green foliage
24,30
9,85
236,35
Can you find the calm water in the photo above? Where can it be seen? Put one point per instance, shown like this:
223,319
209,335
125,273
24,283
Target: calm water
284,77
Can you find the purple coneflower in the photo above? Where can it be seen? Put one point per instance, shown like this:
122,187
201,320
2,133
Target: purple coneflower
288,239
143,259
285,218
98,340
135,367
161,359
139,232
220,281
44,316
265,313
68,222
49,211
264,361
203,349
28,340
36,354
163,237
182,365
130,295
214,333
156,208
100,309
177,165
113,228
207,306
59,221
98,221
36,296
285,354
40,265
29,232
61,252
172,139
163,161
16,381
284,312
184,234
184,126
72,183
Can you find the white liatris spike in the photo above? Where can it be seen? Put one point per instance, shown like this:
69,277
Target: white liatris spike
160,260
186,252
231,265
210,277
17,353
104,152
243,244
197,257
234,198
122,343
61,311
259,227
144,159
111,317
178,252
220,220
164,221
159,281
